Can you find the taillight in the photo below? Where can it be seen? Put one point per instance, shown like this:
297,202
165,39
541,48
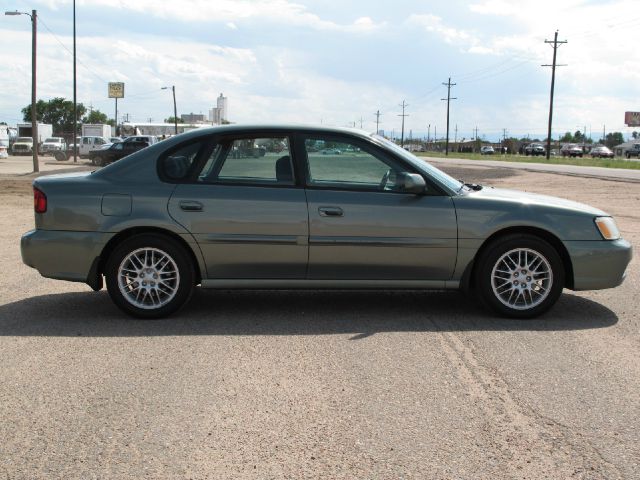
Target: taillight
39,201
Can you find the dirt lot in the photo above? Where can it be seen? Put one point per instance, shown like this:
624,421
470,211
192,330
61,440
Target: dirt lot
317,384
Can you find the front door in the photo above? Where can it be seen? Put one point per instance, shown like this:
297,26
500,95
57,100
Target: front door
363,227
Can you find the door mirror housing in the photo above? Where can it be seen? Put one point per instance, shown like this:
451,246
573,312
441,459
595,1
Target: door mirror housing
411,182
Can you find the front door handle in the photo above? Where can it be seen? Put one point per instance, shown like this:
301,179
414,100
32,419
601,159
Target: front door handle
191,206
330,211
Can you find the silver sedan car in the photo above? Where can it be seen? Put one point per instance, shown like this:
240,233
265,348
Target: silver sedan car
316,208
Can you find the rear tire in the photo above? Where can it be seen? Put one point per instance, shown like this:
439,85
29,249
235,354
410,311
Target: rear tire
149,276
519,276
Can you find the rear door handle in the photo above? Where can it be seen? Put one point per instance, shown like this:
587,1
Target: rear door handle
330,211
191,206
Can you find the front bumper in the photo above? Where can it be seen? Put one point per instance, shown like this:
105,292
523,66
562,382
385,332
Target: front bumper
63,255
599,264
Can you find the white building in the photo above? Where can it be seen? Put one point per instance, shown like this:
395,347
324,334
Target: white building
218,114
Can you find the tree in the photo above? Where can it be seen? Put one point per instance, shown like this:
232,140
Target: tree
614,139
58,112
635,135
95,116
173,120
567,138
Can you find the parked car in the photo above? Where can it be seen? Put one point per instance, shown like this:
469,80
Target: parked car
332,151
150,139
634,151
52,145
185,212
487,150
115,151
571,150
534,149
22,146
115,139
601,151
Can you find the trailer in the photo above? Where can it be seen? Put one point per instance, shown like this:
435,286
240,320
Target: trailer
45,130
96,130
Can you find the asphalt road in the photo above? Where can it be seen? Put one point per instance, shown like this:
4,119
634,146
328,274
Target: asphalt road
320,384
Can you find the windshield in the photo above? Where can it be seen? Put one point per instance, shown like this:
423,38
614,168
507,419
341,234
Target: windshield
438,175
24,139
52,140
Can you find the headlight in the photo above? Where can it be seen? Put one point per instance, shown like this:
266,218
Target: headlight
607,228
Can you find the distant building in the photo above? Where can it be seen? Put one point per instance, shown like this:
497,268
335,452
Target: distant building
193,118
218,114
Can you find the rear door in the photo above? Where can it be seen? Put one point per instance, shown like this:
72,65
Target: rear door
244,207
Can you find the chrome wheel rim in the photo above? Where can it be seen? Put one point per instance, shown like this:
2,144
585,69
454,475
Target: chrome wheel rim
148,278
521,279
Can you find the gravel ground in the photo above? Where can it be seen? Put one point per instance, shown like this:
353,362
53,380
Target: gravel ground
320,384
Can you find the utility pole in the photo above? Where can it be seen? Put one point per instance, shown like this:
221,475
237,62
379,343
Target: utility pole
428,134
604,137
403,105
553,66
504,139
377,114
476,141
360,123
34,112
448,99
75,90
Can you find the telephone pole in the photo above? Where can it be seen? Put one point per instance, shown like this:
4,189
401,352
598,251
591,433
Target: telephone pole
403,105
448,99
504,140
556,43
377,114
476,142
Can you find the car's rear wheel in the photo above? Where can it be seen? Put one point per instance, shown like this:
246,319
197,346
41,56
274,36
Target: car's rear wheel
519,276
149,276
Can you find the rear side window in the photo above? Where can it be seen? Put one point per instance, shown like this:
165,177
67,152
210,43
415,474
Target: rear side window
250,161
177,164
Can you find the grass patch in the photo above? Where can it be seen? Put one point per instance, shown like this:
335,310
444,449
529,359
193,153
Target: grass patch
582,162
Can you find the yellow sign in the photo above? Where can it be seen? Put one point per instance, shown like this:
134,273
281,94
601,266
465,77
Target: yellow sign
116,90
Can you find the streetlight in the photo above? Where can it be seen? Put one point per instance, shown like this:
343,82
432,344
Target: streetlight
175,110
34,118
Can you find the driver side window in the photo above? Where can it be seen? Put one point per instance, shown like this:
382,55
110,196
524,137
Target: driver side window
345,165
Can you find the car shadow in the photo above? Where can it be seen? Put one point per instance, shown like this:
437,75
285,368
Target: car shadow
361,313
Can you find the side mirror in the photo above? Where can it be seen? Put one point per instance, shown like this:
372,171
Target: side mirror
411,182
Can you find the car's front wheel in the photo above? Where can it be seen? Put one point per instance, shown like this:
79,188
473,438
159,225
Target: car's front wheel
149,276
519,276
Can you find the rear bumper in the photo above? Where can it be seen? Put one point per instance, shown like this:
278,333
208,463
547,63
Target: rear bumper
63,255
599,264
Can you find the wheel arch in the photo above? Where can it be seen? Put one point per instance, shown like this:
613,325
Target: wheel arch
469,273
130,232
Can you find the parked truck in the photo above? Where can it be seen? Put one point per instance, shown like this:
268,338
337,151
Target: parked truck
22,146
96,130
634,151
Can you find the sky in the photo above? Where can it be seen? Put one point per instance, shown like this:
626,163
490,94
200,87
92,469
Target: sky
337,63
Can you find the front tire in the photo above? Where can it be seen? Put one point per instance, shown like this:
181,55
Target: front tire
150,276
519,276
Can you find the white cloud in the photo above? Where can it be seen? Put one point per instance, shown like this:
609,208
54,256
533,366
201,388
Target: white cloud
229,11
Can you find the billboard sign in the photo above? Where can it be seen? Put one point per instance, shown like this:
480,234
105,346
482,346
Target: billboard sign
116,90
632,119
